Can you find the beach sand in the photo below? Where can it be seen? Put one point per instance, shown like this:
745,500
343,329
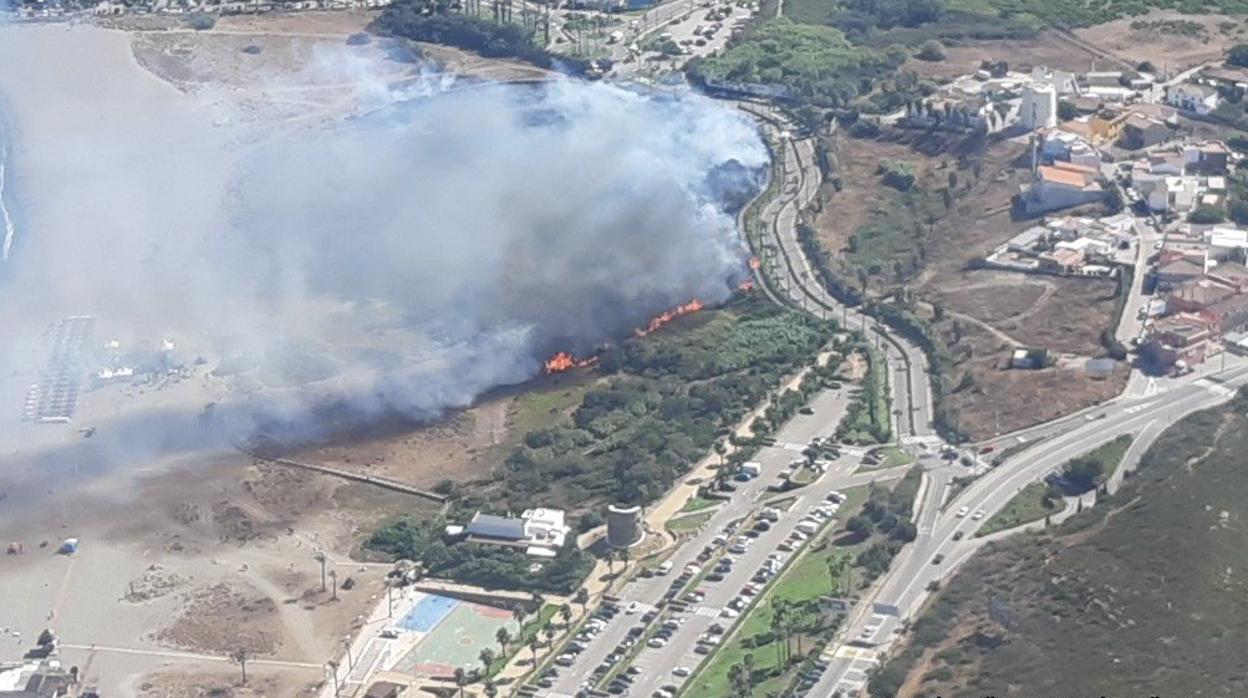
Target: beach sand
218,548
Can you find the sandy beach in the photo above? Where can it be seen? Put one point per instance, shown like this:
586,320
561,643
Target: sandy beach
186,555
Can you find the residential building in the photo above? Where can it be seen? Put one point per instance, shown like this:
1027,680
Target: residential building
1226,243
540,531
1143,132
1197,295
1185,337
1231,274
1199,99
1174,273
1062,185
1210,157
1231,313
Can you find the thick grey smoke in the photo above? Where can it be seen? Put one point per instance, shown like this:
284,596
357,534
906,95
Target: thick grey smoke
402,261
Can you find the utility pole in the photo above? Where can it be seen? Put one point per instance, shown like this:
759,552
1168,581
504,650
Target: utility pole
320,557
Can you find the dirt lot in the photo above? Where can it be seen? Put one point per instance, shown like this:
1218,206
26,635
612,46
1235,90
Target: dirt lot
1035,311
1021,54
986,314
1168,39
223,683
990,399
460,449
298,68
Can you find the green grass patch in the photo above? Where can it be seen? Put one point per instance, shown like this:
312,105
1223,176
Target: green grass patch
868,419
1032,503
688,524
816,63
891,457
1091,469
700,504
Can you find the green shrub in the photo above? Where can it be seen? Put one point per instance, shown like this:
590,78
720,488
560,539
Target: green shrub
932,50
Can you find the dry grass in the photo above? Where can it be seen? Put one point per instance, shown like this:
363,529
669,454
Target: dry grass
1022,54
1160,43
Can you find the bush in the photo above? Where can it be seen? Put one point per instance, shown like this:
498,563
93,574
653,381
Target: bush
1207,215
898,175
200,21
1239,212
1066,110
932,50
1238,56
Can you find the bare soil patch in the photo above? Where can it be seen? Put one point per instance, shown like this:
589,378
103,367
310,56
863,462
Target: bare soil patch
458,448
222,618
1168,39
1060,314
965,57
990,398
226,683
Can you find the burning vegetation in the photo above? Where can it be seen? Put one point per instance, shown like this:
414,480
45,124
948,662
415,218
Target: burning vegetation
662,319
565,360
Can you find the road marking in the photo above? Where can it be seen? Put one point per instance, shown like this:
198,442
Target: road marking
707,611
1215,388
1139,408
790,446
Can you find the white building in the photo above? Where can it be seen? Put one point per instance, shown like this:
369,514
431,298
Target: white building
1200,99
1224,242
1039,107
541,532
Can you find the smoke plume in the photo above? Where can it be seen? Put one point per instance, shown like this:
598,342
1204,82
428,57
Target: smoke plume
403,261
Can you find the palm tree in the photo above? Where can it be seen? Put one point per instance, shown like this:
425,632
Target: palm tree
333,665
721,449
491,691
565,614
533,645
461,678
519,615
503,637
582,598
240,656
548,631
777,631
487,659
611,561
739,681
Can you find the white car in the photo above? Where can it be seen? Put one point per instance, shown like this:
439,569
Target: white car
979,514
681,671
963,511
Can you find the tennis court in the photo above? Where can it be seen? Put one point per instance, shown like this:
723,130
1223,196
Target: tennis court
454,633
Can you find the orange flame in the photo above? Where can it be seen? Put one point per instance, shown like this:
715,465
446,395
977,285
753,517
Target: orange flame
747,285
564,361
692,306
755,263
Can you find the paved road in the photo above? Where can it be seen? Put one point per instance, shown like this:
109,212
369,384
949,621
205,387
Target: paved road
799,180
905,585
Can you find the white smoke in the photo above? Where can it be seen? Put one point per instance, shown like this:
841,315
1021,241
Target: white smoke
403,261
